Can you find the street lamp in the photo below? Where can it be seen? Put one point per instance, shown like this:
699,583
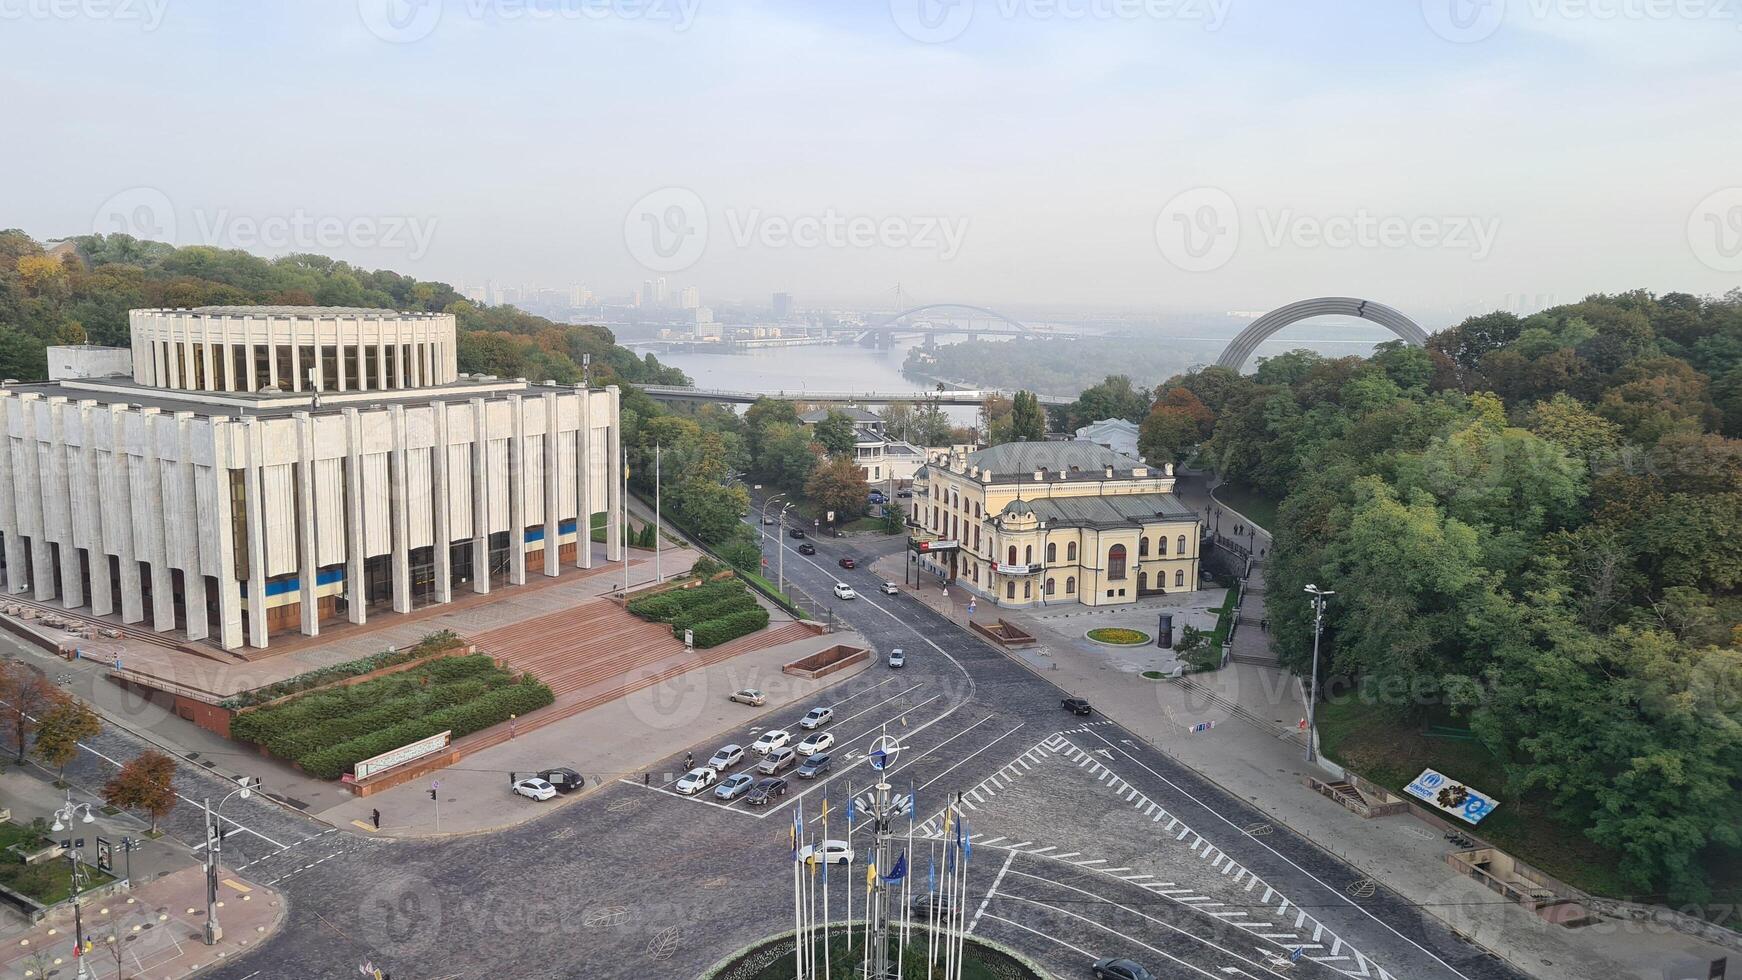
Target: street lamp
1319,596
763,526
780,549
215,843
63,817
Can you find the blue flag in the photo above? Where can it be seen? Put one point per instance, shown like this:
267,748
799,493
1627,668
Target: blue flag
967,840
931,874
900,870
852,808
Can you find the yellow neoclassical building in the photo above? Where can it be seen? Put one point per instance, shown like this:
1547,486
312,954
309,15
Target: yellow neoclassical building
1043,523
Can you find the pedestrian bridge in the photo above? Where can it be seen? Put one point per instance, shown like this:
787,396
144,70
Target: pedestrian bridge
954,396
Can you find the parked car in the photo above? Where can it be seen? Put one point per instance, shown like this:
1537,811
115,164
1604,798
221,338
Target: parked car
816,718
924,902
565,780
897,658
749,696
534,788
890,588
1120,969
769,522
816,742
847,563
904,494
766,790
877,497
828,852
696,780
807,549
845,591
727,757
815,766
1077,706
770,740
733,787
776,762
797,532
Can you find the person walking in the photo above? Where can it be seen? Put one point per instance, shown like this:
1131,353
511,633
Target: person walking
375,817
689,761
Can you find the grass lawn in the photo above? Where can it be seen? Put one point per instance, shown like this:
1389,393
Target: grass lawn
1391,750
48,883
1257,506
846,958
1225,617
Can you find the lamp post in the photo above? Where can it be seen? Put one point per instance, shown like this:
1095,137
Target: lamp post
64,818
214,844
780,548
763,526
1319,596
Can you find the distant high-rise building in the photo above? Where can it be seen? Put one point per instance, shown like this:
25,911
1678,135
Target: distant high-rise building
660,297
477,294
782,305
644,298
692,298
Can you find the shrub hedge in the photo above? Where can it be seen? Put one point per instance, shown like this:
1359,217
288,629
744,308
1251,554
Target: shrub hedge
713,610
717,631
463,719
667,606
428,646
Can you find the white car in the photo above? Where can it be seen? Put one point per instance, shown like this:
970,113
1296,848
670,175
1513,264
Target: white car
845,591
890,588
726,758
696,780
828,852
817,718
818,742
534,788
897,658
772,739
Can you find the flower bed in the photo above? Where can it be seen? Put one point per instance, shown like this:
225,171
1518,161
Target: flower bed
1118,636
325,731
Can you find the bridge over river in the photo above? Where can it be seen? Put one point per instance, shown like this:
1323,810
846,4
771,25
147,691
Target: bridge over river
950,396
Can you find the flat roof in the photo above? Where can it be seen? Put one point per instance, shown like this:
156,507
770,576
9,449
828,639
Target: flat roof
308,312
271,404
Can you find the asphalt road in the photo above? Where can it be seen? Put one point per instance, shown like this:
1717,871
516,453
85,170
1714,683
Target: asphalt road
1071,862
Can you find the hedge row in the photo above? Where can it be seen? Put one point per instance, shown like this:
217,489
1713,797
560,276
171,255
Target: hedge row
713,610
717,631
462,719
431,644
667,606
297,741
311,711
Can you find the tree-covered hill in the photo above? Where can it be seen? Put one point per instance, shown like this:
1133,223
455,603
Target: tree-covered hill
81,290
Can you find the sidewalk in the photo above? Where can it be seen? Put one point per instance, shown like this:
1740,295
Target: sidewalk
159,929
618,740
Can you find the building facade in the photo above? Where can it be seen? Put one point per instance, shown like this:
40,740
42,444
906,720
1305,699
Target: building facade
266,472
882,458
1042,523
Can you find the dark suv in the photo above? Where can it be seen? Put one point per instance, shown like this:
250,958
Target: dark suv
1077,706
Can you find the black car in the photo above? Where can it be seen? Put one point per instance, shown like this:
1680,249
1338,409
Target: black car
807,549
1077,706
797,532
766,790
925,902
815,766
564,779
1120,970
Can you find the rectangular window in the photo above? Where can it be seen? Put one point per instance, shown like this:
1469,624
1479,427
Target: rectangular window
239,521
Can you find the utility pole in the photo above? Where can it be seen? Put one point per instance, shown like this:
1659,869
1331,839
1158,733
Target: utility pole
214,845
657,577
1319,596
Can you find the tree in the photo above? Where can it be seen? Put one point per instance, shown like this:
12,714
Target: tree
898,421
839,485
28,695
146,783
1171,430
1114,398
742,554
931,426
61,728
787,456
711,510
1027,419
837,434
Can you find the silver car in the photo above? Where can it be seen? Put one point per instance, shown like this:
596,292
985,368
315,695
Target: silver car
734,787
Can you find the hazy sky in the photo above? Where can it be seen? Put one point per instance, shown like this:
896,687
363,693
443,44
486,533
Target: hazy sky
1122,154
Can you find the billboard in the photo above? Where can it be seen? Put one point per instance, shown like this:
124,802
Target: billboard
1449,795
401,755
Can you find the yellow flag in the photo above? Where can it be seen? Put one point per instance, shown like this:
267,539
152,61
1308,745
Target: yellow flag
870,874
825,813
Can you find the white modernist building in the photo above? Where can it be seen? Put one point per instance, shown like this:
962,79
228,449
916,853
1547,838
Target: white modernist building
268,469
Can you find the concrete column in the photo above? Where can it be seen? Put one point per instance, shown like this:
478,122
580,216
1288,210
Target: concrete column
517,493
305,524
90,485
157,544
9,501
354,539
229,588
339,355
584,480
295,361
480,499
248,365
193,583
380,366
253,434
33,491
132,598
614,550
59,481
439,502
553,520
271,357
398,497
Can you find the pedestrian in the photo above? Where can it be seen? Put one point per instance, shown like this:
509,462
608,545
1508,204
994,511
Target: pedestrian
689,761
513,721
512,777
647,779
375,816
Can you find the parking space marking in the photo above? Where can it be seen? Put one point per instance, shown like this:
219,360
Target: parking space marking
991,890
1133,939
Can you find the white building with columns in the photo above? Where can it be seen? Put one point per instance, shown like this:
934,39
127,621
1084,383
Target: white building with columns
268,469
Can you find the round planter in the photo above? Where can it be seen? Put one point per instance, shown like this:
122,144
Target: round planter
1134,638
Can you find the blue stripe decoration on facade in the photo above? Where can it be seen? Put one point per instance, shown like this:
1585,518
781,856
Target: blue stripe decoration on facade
324,576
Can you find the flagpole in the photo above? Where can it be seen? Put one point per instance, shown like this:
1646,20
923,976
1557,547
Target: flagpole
931,912
962,935
797,918
623,523
851,806
826,959
656,571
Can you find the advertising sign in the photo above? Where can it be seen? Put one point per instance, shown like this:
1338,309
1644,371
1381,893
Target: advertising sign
1004,569
1451,796
105,855
400,756
932,547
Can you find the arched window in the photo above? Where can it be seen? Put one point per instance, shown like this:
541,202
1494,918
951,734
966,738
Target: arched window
1179,578
1070,585
1161,545
955,499
1071,551
1182,545
1052,552
1028,555
1010,590
976,508
1012,560
1028,589
1143,547
976,539
1116,562
1049,586
1143,581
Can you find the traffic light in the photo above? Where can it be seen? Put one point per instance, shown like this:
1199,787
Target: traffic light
432,794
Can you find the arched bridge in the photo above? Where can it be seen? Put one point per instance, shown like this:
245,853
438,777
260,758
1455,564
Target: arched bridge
1242,346
951,396
1017,325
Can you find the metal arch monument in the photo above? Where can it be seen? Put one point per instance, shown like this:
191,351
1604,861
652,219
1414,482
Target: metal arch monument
1242,346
